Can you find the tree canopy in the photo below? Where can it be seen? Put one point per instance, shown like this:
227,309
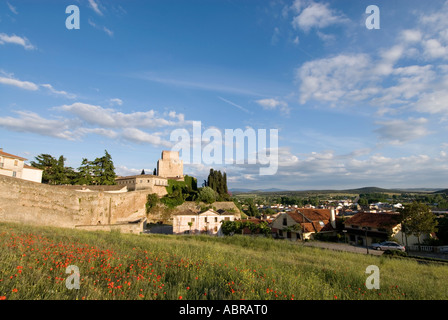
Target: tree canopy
100,171
418,219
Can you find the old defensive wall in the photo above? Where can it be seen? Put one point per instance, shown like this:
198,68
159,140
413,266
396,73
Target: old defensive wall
40,204
90,208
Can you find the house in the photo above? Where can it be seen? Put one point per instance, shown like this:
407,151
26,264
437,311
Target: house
207,222
14,166
154,184
303,223
365,228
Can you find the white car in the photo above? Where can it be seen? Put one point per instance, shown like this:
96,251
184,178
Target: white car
388,245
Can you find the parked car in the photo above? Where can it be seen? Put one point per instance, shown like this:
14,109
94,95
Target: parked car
388,245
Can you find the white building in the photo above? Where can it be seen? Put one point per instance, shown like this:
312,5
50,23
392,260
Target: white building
14,166
207,222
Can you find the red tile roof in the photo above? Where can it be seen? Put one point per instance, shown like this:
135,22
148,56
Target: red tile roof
376,220
8,155
310,219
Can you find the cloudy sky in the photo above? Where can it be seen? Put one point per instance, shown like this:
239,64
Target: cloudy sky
353,106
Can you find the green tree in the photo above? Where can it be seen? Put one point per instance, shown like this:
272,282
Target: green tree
418,219
207,195
104,170
85,173
252,209
48,164
60,176
218,182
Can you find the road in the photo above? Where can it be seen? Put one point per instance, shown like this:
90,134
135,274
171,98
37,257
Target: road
341,247
359,249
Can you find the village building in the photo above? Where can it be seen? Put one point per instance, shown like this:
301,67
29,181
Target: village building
366,228
304,223
208,222
15,166
154,184
170,166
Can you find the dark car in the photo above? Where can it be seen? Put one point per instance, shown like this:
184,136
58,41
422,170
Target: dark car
388,245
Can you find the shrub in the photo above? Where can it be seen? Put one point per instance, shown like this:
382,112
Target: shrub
151,201
395,253
207,195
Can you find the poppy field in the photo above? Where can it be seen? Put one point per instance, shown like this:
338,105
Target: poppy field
34,263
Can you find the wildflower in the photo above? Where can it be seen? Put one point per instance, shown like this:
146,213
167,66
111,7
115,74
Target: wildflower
2,297
14,290
180,297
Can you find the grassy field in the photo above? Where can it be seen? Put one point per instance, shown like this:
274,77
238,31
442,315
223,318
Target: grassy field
33,262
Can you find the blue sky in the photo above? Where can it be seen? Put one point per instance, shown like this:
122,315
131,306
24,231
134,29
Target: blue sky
353,107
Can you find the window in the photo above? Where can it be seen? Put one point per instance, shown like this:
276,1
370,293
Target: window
285,221
216,219
16,163
205,219
192,219
14,173
226,219
216,229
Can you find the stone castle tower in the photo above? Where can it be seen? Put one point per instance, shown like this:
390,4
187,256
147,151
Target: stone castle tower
169,166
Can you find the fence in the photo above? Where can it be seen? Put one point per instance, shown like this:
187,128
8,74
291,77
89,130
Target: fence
441,249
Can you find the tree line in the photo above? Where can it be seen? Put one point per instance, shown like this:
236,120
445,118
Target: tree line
100,171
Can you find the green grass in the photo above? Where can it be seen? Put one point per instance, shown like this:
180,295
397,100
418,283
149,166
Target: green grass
33,261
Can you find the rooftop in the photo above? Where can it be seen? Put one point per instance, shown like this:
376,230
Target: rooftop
376,220
8,155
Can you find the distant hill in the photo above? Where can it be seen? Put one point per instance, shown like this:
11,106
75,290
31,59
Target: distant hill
363,190
442,191
234,191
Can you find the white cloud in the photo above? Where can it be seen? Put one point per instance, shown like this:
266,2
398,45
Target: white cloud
434,49
435,102
411,36
57,92
315,15
116,101
94,5
18,83
332,79
33,123
139,136
109,32
22,41
326,169
274,104
9,79
110,118
12,8
96,120
399,131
